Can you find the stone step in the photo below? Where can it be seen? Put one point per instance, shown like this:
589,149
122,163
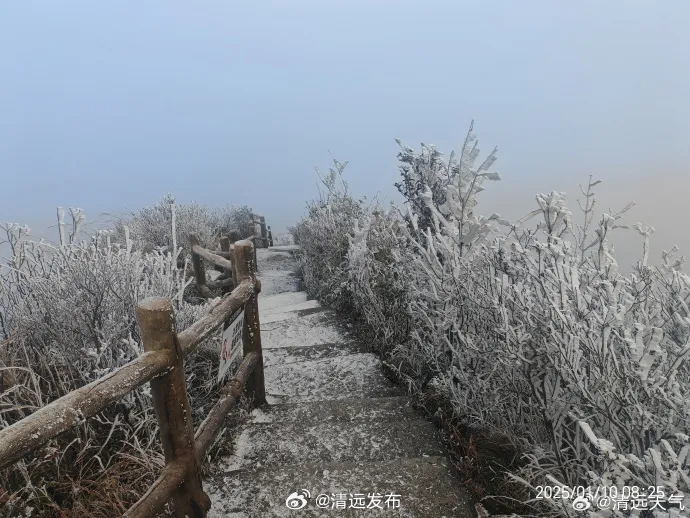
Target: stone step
262,253
278,281
341,377
274,444
286,355
396,408
427,488
318,328
291,311
269,303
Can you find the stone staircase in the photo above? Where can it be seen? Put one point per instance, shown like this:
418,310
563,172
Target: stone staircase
336,434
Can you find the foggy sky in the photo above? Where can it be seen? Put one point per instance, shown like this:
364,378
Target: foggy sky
107,106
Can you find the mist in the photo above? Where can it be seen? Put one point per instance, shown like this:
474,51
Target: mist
108,107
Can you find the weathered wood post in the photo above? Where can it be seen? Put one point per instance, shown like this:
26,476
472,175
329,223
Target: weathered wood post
229,274
251,332
171,405
252,235
264,232
234,235
256,261
199,269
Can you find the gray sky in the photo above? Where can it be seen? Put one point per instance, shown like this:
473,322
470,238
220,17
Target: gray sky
107,106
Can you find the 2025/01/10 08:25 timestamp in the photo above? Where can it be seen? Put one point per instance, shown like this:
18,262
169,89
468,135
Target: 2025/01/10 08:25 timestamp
566,492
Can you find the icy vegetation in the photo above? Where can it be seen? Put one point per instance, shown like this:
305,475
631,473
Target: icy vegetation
527,329
150,227
67,317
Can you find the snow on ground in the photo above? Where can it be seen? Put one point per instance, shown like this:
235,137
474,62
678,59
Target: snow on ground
331,378
278,271
277,302
287,312
313,329
282,306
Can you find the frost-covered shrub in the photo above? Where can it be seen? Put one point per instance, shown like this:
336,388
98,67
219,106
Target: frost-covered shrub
537,333
445,234
602,359
531,331
377,277
284,239
233,217
324,239
150,228
67,316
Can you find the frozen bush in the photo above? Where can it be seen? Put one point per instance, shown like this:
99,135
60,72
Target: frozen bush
233,217
324,239
531,332
537,333
377,279
283,239
150,228
68,318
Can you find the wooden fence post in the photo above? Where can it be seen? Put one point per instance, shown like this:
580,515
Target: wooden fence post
252,229
264,232
234,236
199,269
230,274
256,261
251,332
252,233
171,405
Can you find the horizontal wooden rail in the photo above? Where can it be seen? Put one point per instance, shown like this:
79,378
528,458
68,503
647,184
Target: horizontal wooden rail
224,258
71,409
200,330
212,257
209,428
162,490
227,254
220,283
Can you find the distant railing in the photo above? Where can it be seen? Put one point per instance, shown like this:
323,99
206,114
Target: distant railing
262,233
163,365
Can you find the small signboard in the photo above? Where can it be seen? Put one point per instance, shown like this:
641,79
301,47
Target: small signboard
231,343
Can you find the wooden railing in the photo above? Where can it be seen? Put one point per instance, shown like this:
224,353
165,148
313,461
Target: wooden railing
162,364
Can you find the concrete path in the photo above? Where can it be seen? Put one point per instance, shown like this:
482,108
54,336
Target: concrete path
337,435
